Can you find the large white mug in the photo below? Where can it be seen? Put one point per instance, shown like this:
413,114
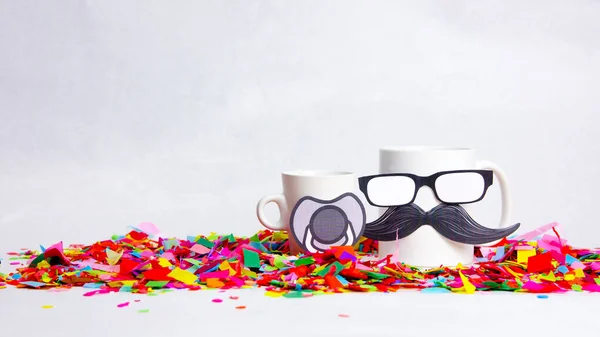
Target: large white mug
314,189
426,247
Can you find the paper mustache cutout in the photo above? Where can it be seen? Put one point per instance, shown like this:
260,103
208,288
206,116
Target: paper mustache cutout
451,221
319,224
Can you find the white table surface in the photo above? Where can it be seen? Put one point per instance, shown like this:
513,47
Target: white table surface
405,313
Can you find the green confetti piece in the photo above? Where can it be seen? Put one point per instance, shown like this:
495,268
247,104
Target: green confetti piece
368,286
277,283
194,262
597,280
378,276
492,285
205,243
304,261
152,294
293,294
251,259
270,268
338,267
229,238
279,262
254,238
576,287
37,260
144,311
115,237
156,284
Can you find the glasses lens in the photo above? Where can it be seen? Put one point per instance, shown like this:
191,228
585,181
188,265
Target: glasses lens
391,190
459,187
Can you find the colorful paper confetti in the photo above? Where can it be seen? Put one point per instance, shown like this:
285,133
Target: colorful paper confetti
537,262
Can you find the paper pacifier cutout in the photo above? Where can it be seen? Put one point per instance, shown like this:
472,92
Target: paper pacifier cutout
403,217
318,224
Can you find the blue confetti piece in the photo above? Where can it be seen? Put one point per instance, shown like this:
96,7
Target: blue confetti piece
125,289
33,284
542,296
259,246
93,285
570,260
499,254
435,290
168,244
563,269
342,280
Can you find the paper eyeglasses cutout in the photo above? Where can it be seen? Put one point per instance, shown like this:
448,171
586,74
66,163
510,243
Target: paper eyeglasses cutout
450,187
319,224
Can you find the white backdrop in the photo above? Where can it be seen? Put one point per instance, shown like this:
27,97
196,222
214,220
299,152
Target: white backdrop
183,113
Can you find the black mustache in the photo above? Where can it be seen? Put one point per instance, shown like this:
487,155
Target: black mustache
451,221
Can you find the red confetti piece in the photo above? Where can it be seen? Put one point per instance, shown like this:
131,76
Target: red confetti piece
539,263
241,307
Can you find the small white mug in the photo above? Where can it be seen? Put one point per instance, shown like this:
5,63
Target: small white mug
426,247
321,187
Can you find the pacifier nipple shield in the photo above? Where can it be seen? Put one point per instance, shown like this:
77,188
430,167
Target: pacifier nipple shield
319,224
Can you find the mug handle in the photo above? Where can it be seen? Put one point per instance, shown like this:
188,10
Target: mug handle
279,199
506,202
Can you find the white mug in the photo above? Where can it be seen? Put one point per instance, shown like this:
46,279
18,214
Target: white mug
426,247
300,184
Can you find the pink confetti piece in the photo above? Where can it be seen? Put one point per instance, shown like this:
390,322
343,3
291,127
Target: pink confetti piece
217,300
344,315
122,305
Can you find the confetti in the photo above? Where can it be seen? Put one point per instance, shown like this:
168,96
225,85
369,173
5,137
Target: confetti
344,315
144,311
140,262
47,306
122,305
217,300
241,307
542,296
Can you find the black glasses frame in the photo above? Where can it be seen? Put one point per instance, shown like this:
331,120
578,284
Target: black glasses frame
488,180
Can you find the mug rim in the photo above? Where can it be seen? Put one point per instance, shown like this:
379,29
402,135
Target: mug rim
425,148
316,173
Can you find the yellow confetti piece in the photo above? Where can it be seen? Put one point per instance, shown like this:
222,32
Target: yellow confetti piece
226,266
183,276
550,277
164,262
273,294
319,269
569,277
468,287
47,306
249,273
113,257
43,264
579,273
523,255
